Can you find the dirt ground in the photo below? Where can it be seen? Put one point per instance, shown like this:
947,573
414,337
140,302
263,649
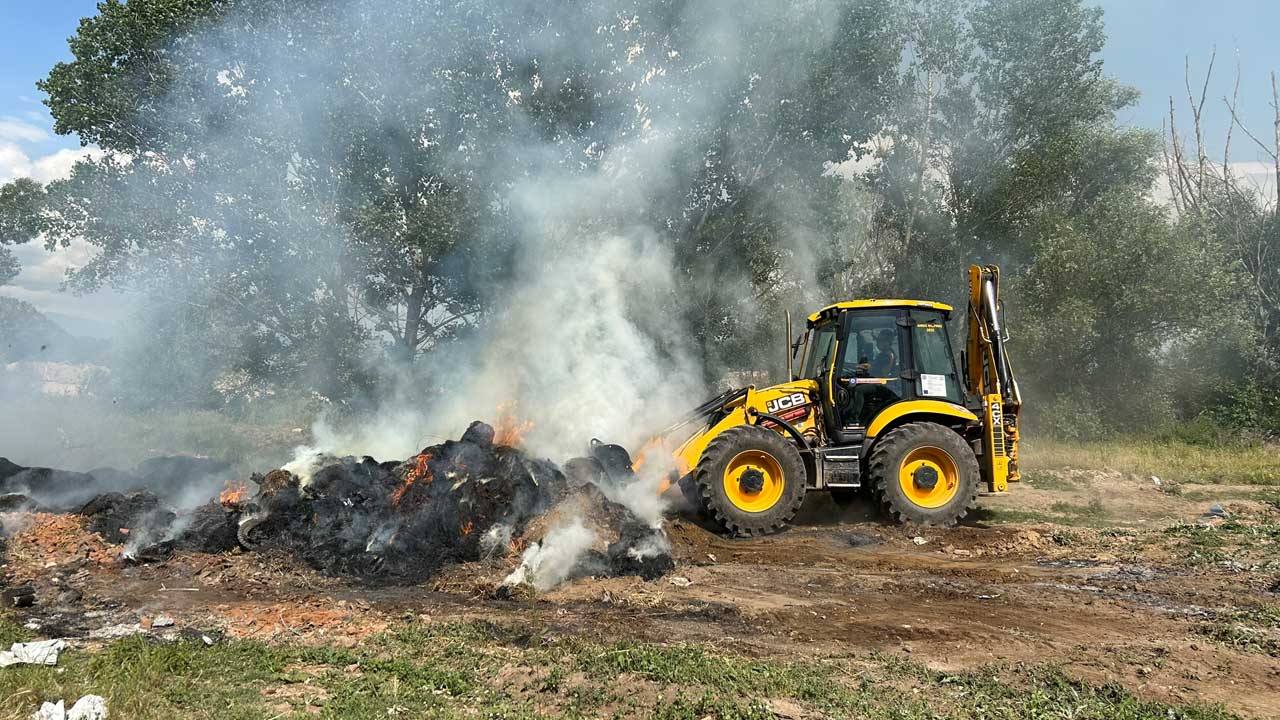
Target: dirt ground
1115,578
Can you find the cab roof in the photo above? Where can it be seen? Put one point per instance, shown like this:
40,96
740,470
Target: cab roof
879,303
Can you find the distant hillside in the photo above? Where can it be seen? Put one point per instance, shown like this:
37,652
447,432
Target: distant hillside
27,335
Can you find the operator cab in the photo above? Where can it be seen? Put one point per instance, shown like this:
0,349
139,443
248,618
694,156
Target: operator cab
866,355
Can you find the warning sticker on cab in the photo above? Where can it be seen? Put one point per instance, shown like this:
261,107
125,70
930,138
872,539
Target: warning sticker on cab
933,385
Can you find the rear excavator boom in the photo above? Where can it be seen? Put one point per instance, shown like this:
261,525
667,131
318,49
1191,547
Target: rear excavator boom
989,377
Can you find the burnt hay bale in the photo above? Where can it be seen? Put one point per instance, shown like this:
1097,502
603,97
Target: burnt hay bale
116,516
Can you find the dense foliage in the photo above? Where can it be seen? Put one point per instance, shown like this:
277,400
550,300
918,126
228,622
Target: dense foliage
300,186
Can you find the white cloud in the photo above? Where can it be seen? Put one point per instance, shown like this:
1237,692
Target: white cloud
58,165
99,314
14,129
40,279
1259,176
16,163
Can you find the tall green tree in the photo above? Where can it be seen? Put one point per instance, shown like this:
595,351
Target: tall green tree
21,204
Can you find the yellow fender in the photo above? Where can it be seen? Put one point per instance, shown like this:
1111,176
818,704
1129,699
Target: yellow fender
894,412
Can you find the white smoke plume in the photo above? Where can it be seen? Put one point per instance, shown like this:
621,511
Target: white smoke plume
546,564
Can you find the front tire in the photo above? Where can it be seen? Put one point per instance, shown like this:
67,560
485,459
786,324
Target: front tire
751,480
924,474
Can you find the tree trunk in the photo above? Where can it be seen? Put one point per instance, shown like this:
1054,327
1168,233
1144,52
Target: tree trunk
413,320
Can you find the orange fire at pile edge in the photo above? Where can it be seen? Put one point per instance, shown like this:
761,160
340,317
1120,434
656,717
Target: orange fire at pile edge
419,471
509,430
234,494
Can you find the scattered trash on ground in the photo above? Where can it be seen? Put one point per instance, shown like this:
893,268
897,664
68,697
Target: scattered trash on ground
40,652
89,707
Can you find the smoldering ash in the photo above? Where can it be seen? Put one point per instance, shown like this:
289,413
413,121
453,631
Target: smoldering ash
400,521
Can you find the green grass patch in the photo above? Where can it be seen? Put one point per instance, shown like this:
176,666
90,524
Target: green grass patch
1092,514
11,632
1210,494
1171,461
1248,538
1040,479
486,670
1094,509
1252,630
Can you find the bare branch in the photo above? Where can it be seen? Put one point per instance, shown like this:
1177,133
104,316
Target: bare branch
1263,146
1197,109
1226,148
1168,167
1275,104
1179,182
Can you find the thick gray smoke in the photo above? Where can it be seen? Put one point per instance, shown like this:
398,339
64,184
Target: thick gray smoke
586,336
582,289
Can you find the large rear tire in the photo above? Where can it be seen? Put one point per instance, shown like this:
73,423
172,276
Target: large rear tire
751,480
924,474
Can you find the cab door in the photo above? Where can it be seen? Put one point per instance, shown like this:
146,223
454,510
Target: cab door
873,369
935,375
821,351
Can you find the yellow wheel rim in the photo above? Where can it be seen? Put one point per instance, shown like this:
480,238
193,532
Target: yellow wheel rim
771,480
922,465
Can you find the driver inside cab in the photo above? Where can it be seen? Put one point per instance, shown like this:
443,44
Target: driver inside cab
885,362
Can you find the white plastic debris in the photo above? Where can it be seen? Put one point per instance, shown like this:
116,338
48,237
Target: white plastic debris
89,707
50,711
679,581
41,652
918,540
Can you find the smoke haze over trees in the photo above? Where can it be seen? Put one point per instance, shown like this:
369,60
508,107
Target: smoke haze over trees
603,207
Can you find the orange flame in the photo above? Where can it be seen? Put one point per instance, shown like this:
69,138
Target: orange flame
419,471
654,446
234,494
509,430
466,529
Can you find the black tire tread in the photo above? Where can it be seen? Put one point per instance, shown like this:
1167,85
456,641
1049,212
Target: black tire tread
884,470
735,440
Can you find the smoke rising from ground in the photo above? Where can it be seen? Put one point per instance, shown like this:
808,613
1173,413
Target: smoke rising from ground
546,564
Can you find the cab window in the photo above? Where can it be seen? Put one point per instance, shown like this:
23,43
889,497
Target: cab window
933,358
873,349
872,363
821,343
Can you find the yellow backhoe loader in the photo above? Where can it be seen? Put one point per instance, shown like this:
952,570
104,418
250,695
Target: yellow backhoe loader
877,400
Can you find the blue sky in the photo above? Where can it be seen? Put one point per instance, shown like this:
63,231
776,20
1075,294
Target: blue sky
1148,41
33,36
